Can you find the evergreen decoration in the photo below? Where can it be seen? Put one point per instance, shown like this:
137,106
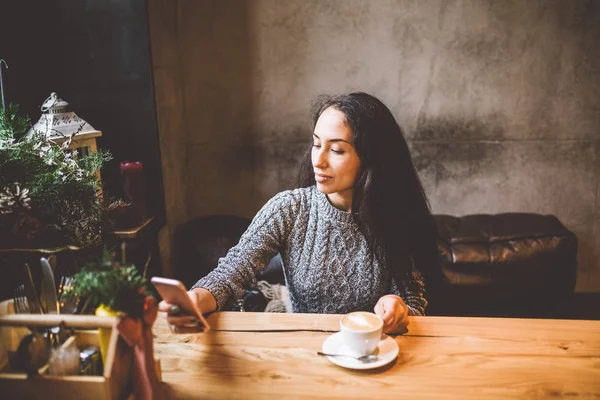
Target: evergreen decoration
49,195
118,287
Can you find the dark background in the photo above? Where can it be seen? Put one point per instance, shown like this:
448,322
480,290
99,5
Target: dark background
96,56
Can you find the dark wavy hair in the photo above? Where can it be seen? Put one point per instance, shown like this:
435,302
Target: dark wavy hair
388,202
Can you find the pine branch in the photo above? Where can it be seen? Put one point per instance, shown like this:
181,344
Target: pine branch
62,186
118,287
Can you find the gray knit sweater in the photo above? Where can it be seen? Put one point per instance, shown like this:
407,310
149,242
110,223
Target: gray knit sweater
326,259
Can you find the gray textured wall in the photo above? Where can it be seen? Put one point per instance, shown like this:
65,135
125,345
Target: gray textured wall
500,100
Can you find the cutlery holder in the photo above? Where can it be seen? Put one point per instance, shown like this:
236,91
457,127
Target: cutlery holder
115,383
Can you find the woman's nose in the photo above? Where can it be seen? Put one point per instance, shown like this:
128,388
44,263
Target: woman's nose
319,158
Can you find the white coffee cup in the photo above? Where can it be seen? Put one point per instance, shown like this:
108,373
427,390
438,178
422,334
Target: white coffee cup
361,332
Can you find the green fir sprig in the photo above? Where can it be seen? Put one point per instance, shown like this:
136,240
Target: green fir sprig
118,287
12,125
63,202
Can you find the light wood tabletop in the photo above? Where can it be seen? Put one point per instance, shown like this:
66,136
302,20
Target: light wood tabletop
264,356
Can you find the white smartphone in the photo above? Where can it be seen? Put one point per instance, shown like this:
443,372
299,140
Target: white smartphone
174,292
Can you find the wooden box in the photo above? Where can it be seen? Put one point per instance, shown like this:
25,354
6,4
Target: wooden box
114,384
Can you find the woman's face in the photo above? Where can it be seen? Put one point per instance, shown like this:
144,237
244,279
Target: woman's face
334,158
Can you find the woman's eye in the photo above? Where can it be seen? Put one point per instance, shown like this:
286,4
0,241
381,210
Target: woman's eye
317,146
337,151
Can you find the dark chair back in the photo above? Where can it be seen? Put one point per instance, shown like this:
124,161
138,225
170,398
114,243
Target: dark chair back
200,243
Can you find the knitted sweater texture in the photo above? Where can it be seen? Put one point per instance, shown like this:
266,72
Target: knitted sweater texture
328,265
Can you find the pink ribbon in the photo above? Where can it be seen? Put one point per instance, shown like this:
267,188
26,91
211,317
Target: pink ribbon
138,335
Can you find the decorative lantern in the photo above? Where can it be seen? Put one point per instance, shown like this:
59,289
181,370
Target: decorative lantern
60,125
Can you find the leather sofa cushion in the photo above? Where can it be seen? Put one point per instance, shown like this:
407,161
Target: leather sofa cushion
505,262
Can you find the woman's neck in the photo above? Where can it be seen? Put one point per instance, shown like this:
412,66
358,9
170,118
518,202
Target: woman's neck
341,200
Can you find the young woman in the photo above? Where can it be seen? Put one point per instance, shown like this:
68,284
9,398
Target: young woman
358,233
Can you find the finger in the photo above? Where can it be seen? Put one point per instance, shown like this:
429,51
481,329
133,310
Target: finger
403,323
400,313
164,306
393,317
387,328
172,309
405,320
182,320
388,321
388,324
394,326
379,310
389,314
401,326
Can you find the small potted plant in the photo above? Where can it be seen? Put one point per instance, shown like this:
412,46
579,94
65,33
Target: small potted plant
114,290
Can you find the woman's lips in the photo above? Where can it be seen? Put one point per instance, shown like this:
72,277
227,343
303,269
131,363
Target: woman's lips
321,178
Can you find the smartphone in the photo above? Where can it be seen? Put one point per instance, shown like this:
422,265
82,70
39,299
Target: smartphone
174,292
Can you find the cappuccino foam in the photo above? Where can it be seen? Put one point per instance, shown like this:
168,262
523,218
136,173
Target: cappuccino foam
361,321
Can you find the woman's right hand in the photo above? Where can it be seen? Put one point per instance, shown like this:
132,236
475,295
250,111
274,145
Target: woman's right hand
202,299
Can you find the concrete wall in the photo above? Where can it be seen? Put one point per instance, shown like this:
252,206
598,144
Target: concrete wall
500,100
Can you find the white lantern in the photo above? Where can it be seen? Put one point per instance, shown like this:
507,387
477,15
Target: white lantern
60,125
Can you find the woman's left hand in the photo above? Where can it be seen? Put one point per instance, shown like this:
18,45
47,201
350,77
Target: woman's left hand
394,312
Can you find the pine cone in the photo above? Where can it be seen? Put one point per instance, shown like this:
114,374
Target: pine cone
13,199
7,202
21,196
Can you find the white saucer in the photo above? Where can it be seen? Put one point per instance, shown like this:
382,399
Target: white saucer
387,350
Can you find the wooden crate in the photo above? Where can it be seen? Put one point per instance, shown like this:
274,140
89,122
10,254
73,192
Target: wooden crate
114,384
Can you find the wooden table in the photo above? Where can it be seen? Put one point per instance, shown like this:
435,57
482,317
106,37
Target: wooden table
273,356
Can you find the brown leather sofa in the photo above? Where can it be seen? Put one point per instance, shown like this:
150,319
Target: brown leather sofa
514,264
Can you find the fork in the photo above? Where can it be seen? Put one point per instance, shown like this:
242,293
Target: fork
20,303
34,348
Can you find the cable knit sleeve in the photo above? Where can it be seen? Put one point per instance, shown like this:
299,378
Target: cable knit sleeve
412,292
262,240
